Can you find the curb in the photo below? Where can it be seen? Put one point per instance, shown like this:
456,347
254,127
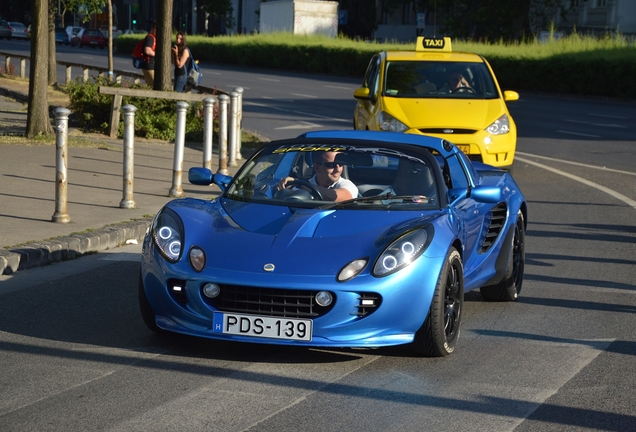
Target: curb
47,252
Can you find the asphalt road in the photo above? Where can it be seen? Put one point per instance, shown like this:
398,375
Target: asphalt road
75,354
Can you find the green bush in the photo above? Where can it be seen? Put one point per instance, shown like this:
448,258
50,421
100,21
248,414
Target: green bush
154,118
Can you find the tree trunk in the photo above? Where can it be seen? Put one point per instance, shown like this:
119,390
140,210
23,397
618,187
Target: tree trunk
51,29
163,69
38,111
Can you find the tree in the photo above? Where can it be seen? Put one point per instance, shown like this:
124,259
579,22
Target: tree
163,76
38,111
52,75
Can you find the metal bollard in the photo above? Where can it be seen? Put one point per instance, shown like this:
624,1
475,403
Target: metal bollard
61,159
223,101
208,128
239,122
176,190
232,129
127,200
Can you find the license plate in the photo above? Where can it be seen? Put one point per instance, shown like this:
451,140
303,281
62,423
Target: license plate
262,326
93,42
464,147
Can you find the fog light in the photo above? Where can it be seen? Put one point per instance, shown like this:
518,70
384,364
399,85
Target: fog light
351,270
211,290
197,258
324,298
487,140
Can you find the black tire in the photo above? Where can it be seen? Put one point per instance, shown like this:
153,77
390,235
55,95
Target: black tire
510,286
146,311
438,335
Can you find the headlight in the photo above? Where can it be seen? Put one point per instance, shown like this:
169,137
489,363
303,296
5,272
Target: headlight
167,234
391,124
403,251
499,126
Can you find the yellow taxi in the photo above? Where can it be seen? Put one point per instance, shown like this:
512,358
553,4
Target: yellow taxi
436,91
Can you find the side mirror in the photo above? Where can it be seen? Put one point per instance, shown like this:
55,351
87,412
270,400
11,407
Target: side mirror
511,96
362,93
486,194
204,177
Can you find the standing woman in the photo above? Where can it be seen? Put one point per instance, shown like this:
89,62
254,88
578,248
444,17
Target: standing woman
180,56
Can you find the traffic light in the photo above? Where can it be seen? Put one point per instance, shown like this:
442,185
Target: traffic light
134,21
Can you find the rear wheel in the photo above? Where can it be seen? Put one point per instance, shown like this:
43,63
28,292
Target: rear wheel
438,335
508,289
146,311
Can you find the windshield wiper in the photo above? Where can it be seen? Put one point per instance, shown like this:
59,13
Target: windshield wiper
389,196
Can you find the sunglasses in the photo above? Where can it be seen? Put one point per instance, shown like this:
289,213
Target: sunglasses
330,165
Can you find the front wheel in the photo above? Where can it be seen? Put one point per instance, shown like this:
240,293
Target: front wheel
438,335
147,313
508,289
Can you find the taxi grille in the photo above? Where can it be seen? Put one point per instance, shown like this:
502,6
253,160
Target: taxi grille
268,302
448,131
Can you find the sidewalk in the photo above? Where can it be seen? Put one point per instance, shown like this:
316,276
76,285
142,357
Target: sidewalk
29,238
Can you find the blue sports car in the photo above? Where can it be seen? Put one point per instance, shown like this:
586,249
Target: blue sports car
337,239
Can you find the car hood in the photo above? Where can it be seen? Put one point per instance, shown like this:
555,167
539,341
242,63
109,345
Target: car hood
446,113
245,236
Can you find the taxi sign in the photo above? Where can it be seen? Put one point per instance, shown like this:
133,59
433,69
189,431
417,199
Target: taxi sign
433,44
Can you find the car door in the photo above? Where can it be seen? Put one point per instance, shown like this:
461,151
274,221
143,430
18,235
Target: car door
467,213
365,108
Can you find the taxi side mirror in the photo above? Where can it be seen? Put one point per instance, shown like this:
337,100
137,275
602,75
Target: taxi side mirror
362,93
511,96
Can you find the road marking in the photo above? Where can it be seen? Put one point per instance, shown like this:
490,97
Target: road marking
608,116
269,79
305,95
297,112
577,164
579,134
596,124
608,191
339,87
303,125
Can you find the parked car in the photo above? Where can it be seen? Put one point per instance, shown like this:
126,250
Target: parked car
275,260
5,31
18,30
435,90
61,37
73,31
89,37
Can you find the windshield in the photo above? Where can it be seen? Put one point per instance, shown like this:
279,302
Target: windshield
430,79
377,178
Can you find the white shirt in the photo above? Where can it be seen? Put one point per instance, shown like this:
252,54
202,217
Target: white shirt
341,183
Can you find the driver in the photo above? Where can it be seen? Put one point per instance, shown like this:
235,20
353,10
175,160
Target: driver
457,82
328,178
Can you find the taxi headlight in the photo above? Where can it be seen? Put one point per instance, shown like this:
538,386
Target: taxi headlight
403,251
167,234
499,126
391,124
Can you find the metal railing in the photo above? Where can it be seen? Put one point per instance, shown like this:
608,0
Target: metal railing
117,75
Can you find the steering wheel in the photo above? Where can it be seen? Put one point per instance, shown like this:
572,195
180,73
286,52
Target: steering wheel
313,189
463,90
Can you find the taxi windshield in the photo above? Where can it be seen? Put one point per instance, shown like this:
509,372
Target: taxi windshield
299,176
430,79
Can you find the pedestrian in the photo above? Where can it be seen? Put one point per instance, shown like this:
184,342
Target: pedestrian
148,65
180,57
